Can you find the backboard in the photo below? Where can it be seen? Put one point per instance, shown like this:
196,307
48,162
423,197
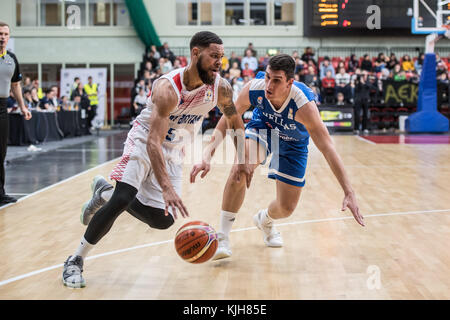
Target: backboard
430,16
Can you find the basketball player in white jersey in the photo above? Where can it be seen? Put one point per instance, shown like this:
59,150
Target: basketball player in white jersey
148,176
284,117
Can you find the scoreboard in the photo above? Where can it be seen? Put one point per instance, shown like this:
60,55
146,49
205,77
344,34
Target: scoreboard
349,17
339,13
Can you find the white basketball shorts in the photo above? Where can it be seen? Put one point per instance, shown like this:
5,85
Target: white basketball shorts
135,169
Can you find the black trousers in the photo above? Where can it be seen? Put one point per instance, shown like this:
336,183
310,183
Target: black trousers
364,105
91,113
4,132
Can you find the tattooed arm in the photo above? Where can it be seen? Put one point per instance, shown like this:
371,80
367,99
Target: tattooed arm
232,119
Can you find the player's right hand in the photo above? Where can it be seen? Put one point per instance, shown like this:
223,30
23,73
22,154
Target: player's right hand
172,200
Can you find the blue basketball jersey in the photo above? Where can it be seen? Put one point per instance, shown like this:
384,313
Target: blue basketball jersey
281,120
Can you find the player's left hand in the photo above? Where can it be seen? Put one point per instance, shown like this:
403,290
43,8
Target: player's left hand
204,166
351,203
26,114
243,168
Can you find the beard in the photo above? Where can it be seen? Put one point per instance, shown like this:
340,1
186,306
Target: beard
204,75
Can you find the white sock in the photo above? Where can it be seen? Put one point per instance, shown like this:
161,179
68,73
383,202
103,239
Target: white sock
267,220
83,249
107,194
226,222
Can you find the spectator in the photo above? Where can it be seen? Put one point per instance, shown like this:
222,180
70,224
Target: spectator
398,73
35,84
407,64
342,82
77,103
247,72
74,85
326,66
28,100
353,63
250,59
366,64
165,65
46,103
443,79
310,79
298,65
55,95
362,99
319,98
308,55
140,85
237,87
166,53
155,52
139,102
26,83
234,59
65,104
392,62
153,56
441,66
264,62
380,62
328,87
34,97
11,104
253,51
419,63
235,72
148,66
340,99
83,98
225,64
176,64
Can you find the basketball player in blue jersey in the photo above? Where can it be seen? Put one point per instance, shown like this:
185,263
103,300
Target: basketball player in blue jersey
284,117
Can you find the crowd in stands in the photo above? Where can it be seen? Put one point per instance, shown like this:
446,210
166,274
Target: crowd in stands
342,81
40,100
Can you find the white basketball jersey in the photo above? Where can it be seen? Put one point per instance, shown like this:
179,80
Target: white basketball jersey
191,108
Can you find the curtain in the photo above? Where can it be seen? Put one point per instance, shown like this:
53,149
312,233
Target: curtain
142,23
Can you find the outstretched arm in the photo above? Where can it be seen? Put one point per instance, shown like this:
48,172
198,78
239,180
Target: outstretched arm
232,112
232,119
164,100
309,116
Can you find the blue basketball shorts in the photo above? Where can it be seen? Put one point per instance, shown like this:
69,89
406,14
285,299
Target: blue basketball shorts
288,163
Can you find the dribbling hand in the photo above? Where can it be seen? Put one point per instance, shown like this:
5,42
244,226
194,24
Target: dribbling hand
172,200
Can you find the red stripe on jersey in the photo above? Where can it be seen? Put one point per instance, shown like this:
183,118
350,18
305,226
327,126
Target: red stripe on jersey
177,80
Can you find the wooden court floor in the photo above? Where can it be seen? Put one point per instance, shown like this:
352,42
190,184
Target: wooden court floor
402,253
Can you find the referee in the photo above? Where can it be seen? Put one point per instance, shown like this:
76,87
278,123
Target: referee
9,80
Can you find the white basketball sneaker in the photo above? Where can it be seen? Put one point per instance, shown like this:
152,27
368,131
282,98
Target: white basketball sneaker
72,273
98,185
272,238
223,249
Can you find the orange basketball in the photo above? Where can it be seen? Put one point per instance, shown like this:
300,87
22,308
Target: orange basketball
196,242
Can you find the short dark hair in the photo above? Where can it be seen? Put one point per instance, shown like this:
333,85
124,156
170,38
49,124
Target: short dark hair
283,62
203,39
4,24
